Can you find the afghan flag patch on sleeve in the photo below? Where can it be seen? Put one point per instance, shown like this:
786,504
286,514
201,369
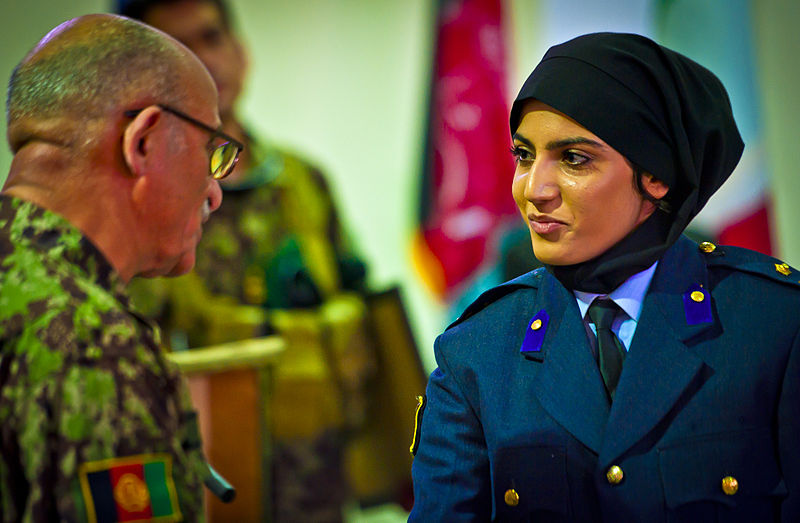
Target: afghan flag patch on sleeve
133,488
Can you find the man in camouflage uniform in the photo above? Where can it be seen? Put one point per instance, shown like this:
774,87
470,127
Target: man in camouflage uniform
274,258
110,179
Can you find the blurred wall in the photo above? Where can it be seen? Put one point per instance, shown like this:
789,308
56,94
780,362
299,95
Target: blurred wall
345,82
777,42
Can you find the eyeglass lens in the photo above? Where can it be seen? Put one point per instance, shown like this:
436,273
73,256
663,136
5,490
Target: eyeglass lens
222,160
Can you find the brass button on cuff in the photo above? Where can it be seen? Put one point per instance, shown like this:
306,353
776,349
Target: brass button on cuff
511,497
707,247
730,485
614,475
698,296
536,325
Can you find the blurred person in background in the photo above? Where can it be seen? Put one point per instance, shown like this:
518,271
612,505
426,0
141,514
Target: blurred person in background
275,259
117,153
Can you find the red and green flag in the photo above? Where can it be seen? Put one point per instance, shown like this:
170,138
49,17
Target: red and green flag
134,488
466,185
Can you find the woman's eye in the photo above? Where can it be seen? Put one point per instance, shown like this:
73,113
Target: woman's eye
573,158
521,155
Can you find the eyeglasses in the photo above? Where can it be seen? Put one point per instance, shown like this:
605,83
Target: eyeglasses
222,157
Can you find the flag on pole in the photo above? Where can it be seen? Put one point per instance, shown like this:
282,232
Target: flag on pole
466,184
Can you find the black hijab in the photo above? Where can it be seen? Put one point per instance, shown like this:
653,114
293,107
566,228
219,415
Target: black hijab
664,112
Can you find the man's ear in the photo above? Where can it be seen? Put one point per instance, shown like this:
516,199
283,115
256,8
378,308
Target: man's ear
653,186
138,140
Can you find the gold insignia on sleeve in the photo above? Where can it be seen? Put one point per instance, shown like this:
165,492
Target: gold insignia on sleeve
783,269
421,402
131,493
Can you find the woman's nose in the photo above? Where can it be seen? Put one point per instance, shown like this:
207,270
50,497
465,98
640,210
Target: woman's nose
542,184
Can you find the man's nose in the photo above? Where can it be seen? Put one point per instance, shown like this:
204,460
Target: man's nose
214,195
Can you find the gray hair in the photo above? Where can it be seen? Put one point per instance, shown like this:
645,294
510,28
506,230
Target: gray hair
87,70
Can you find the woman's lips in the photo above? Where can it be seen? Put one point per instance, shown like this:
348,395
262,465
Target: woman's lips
544,225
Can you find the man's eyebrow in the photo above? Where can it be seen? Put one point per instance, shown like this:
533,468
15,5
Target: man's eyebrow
565,142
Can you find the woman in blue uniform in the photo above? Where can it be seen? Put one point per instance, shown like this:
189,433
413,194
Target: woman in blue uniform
638,376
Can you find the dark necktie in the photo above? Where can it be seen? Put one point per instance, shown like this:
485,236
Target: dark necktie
610,352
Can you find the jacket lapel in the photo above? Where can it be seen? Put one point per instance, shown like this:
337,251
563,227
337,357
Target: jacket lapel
569,385
660,369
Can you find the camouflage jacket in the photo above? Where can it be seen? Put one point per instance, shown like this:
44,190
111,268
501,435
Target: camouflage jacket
94,423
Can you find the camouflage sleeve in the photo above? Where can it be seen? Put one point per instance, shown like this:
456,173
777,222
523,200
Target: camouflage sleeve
103,424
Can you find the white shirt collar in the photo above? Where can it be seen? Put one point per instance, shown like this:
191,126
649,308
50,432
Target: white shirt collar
629,296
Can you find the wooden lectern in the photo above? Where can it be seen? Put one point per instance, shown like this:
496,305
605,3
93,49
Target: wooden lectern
229,385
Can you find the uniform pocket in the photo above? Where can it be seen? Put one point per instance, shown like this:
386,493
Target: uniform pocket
726,475
530,484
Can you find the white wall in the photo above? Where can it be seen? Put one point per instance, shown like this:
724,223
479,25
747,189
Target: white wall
345,82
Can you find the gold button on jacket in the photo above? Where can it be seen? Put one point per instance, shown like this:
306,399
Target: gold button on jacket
511,497
707,247
729,485
614,475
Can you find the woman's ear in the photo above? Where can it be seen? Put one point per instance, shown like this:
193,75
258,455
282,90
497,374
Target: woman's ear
138,140
653,186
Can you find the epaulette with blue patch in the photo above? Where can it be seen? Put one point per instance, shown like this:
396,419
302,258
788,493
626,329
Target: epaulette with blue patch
528,280
751,262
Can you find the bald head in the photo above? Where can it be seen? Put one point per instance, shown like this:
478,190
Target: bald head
90,67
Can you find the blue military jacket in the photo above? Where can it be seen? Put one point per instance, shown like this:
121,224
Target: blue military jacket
705,424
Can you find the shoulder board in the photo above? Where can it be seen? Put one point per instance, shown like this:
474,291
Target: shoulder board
528,280
751,262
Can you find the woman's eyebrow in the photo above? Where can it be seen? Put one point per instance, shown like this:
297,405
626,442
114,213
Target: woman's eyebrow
576,140
519,138
565,142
